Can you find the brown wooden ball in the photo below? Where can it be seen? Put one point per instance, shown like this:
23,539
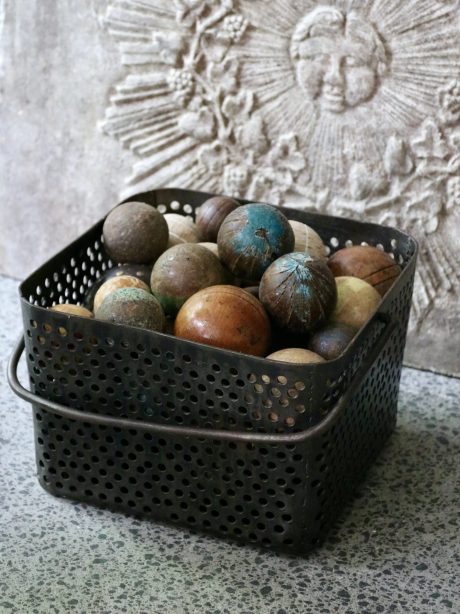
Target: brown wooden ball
296,355
225,317
211,214
368,263
183,270
356,301
331,340
135,232
298,292
122,281
74,310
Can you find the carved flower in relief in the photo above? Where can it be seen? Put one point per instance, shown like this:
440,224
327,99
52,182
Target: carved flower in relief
286,154
365,180
397,159
198,124
232,28
429,143
449,102
214,157
181,84
168,45
251,135
453,193
236,177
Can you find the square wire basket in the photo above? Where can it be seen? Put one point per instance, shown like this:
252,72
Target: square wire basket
237,446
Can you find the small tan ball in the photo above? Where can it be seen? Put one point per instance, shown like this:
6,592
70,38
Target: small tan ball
74,310
182,229
356,301
308,240
296,355
212,248
114,283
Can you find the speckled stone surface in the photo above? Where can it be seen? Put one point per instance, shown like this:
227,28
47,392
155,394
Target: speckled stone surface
395,548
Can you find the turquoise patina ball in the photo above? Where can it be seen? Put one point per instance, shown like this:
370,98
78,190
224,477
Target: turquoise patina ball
252,237
298,292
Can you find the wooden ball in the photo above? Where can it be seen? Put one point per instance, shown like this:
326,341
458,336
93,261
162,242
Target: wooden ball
368,263
254,290
298,292
211,246
135,233
123,281
211,214
74,310
308,240
181,271
225,317
356,301
134,307
182,229
331,340
252,237
296,355
141,271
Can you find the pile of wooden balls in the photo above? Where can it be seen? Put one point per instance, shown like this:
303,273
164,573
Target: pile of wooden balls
241,277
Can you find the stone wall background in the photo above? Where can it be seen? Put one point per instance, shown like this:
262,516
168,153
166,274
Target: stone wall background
96,101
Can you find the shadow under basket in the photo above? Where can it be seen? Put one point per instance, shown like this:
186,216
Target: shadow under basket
225,443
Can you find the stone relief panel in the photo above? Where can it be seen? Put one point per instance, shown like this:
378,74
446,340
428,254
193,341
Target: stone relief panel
348,107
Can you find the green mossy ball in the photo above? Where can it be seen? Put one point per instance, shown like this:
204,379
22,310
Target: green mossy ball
298,292
252,237
134,307
141,271
331,340
183,270
135,233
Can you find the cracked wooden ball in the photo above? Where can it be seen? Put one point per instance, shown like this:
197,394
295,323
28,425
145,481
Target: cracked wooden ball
183,270
134,307
226,317
211,214
368,263
298,292
252,237
356,301
135,232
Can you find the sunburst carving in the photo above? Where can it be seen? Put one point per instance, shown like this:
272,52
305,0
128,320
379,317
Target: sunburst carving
350,107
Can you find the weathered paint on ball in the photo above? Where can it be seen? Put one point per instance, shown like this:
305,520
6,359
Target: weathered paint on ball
134,307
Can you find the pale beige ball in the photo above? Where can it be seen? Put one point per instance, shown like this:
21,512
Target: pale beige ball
181,229
308,240
296,355
73,310
356,301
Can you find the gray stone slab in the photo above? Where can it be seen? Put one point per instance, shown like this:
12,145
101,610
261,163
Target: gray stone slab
349,108
395,548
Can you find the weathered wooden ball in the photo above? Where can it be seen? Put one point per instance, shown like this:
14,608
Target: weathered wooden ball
254,290
183,270
122,281
308,240
211,246
141,271
225,317
182,229
252,237
135,232
331,340
368,263
356,301
296,355
298,292
211,214
134,307
74,310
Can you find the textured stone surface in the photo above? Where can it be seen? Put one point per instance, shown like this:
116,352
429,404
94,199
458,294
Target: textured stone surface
395,548
350,107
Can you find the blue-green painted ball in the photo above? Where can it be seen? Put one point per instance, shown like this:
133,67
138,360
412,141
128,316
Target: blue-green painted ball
252,237
298,292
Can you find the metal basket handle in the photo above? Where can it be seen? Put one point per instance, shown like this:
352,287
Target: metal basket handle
184,431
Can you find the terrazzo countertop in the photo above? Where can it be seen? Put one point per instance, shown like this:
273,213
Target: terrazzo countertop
395,548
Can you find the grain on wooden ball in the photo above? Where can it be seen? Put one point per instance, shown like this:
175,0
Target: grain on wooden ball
182,229
331,340
183,270
225,317
134,307
74,310
124,281
308,240
296,355
252,237
211,214
298,292
368,263
356,301
135,232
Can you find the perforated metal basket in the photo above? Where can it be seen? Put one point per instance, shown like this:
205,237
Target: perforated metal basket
226,443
